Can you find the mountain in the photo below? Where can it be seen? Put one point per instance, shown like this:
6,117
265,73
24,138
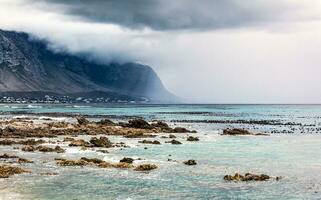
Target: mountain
28,66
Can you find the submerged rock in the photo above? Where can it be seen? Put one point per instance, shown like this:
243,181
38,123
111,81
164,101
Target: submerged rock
149,142
145,167
6,171
247,177
101,142
192,139
174,142
190,162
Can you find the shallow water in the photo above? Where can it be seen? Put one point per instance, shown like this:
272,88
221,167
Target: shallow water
295,157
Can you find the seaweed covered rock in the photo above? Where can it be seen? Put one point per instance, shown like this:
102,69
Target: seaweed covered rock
149,142
247,177
145,167
101,142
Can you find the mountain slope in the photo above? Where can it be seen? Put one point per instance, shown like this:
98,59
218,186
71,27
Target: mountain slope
28,66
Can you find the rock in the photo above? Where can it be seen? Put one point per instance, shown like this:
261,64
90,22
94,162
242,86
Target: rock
247,177
192,139
190,162
82,121
106,122
92,160
28,148
64,162
102,151
174,142
160,124
181,130
149,142
68,139
23,160
127,160
6,171
48,174
145,167
172,136
57,149
80,143
7,156
122,165
138,123
101,142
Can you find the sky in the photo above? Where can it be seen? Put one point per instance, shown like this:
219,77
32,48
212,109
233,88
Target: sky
205,51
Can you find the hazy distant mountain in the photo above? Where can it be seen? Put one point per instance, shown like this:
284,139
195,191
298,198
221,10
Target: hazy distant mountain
28,66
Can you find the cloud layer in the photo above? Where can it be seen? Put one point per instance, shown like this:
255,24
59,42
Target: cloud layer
185,14
217,51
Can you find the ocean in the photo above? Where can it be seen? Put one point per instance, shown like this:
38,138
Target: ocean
292,151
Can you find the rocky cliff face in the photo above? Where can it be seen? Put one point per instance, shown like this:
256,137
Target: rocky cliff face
28,66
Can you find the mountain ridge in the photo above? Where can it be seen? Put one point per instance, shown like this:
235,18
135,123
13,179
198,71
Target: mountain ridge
27,65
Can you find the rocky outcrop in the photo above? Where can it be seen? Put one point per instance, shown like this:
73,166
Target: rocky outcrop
248,177
238,131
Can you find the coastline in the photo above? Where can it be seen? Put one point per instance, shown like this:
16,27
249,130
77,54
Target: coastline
215,157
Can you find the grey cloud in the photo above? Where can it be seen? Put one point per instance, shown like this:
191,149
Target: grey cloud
179,14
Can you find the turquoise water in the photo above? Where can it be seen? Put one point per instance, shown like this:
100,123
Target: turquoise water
294,156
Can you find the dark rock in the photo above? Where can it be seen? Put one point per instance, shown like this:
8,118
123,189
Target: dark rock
174,142
181,130
138,123
192,139
238,131
190,162
172,136
127,160
149,142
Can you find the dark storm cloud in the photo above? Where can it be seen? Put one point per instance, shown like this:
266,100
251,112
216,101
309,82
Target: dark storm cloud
177,14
